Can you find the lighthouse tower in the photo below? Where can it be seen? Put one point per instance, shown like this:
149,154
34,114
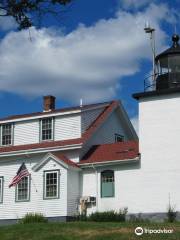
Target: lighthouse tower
159,134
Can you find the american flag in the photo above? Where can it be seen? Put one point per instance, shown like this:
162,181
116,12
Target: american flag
22,172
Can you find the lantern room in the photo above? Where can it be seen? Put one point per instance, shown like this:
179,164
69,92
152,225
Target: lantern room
168,66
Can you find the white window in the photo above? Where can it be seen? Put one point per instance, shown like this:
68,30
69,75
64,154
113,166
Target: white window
6,134
51,184
23,190
1,189
47,129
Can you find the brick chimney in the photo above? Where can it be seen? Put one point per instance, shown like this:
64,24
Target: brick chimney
48,103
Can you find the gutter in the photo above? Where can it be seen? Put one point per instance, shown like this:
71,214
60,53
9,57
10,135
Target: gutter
137,159
41,150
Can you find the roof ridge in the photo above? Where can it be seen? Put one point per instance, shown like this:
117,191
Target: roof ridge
34,114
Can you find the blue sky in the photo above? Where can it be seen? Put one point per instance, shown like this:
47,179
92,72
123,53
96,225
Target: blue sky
98,52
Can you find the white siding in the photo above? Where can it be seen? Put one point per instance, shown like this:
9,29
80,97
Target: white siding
10,209
73,193
88,187
67,127
106,132
26,132
159,131
89,116
73,155
126,188
146,187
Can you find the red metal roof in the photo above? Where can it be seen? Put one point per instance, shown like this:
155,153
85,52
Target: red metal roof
111,152
40,145
86,135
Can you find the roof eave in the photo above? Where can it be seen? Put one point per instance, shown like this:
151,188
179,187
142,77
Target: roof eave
54,114
41,150
114,162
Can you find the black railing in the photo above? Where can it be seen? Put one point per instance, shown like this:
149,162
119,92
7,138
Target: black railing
150,83
162,81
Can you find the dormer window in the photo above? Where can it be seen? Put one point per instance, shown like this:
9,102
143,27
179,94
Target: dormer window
6,138
47,129
119,138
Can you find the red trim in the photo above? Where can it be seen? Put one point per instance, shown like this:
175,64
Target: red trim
66,160
42,145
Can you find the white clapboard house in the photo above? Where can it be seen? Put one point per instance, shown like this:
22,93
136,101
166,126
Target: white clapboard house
90,155
71,154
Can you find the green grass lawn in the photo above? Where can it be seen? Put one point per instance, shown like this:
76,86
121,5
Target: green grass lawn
85,231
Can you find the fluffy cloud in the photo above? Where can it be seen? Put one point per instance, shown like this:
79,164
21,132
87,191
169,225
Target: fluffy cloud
87,63
6,23
134,3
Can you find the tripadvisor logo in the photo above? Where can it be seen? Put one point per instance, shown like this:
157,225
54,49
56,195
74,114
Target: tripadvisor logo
139,231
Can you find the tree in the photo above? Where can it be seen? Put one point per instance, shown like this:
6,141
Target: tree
24,11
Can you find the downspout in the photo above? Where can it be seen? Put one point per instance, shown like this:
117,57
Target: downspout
96,176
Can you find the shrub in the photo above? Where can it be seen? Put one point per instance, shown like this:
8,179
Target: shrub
33,218
133,218
108,216
171,214
81,217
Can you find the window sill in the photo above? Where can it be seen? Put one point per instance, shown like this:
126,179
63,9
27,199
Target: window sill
109,197
52,198
8,145
49,140
28,200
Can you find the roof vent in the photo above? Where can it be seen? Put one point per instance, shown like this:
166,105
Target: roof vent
48,103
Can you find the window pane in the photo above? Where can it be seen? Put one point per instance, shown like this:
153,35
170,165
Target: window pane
6,134
47,129
51,181
23,189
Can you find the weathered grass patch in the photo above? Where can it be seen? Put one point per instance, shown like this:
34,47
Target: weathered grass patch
85,231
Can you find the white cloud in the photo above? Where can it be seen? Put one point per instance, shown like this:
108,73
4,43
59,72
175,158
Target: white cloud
134,3
87,63
6,22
